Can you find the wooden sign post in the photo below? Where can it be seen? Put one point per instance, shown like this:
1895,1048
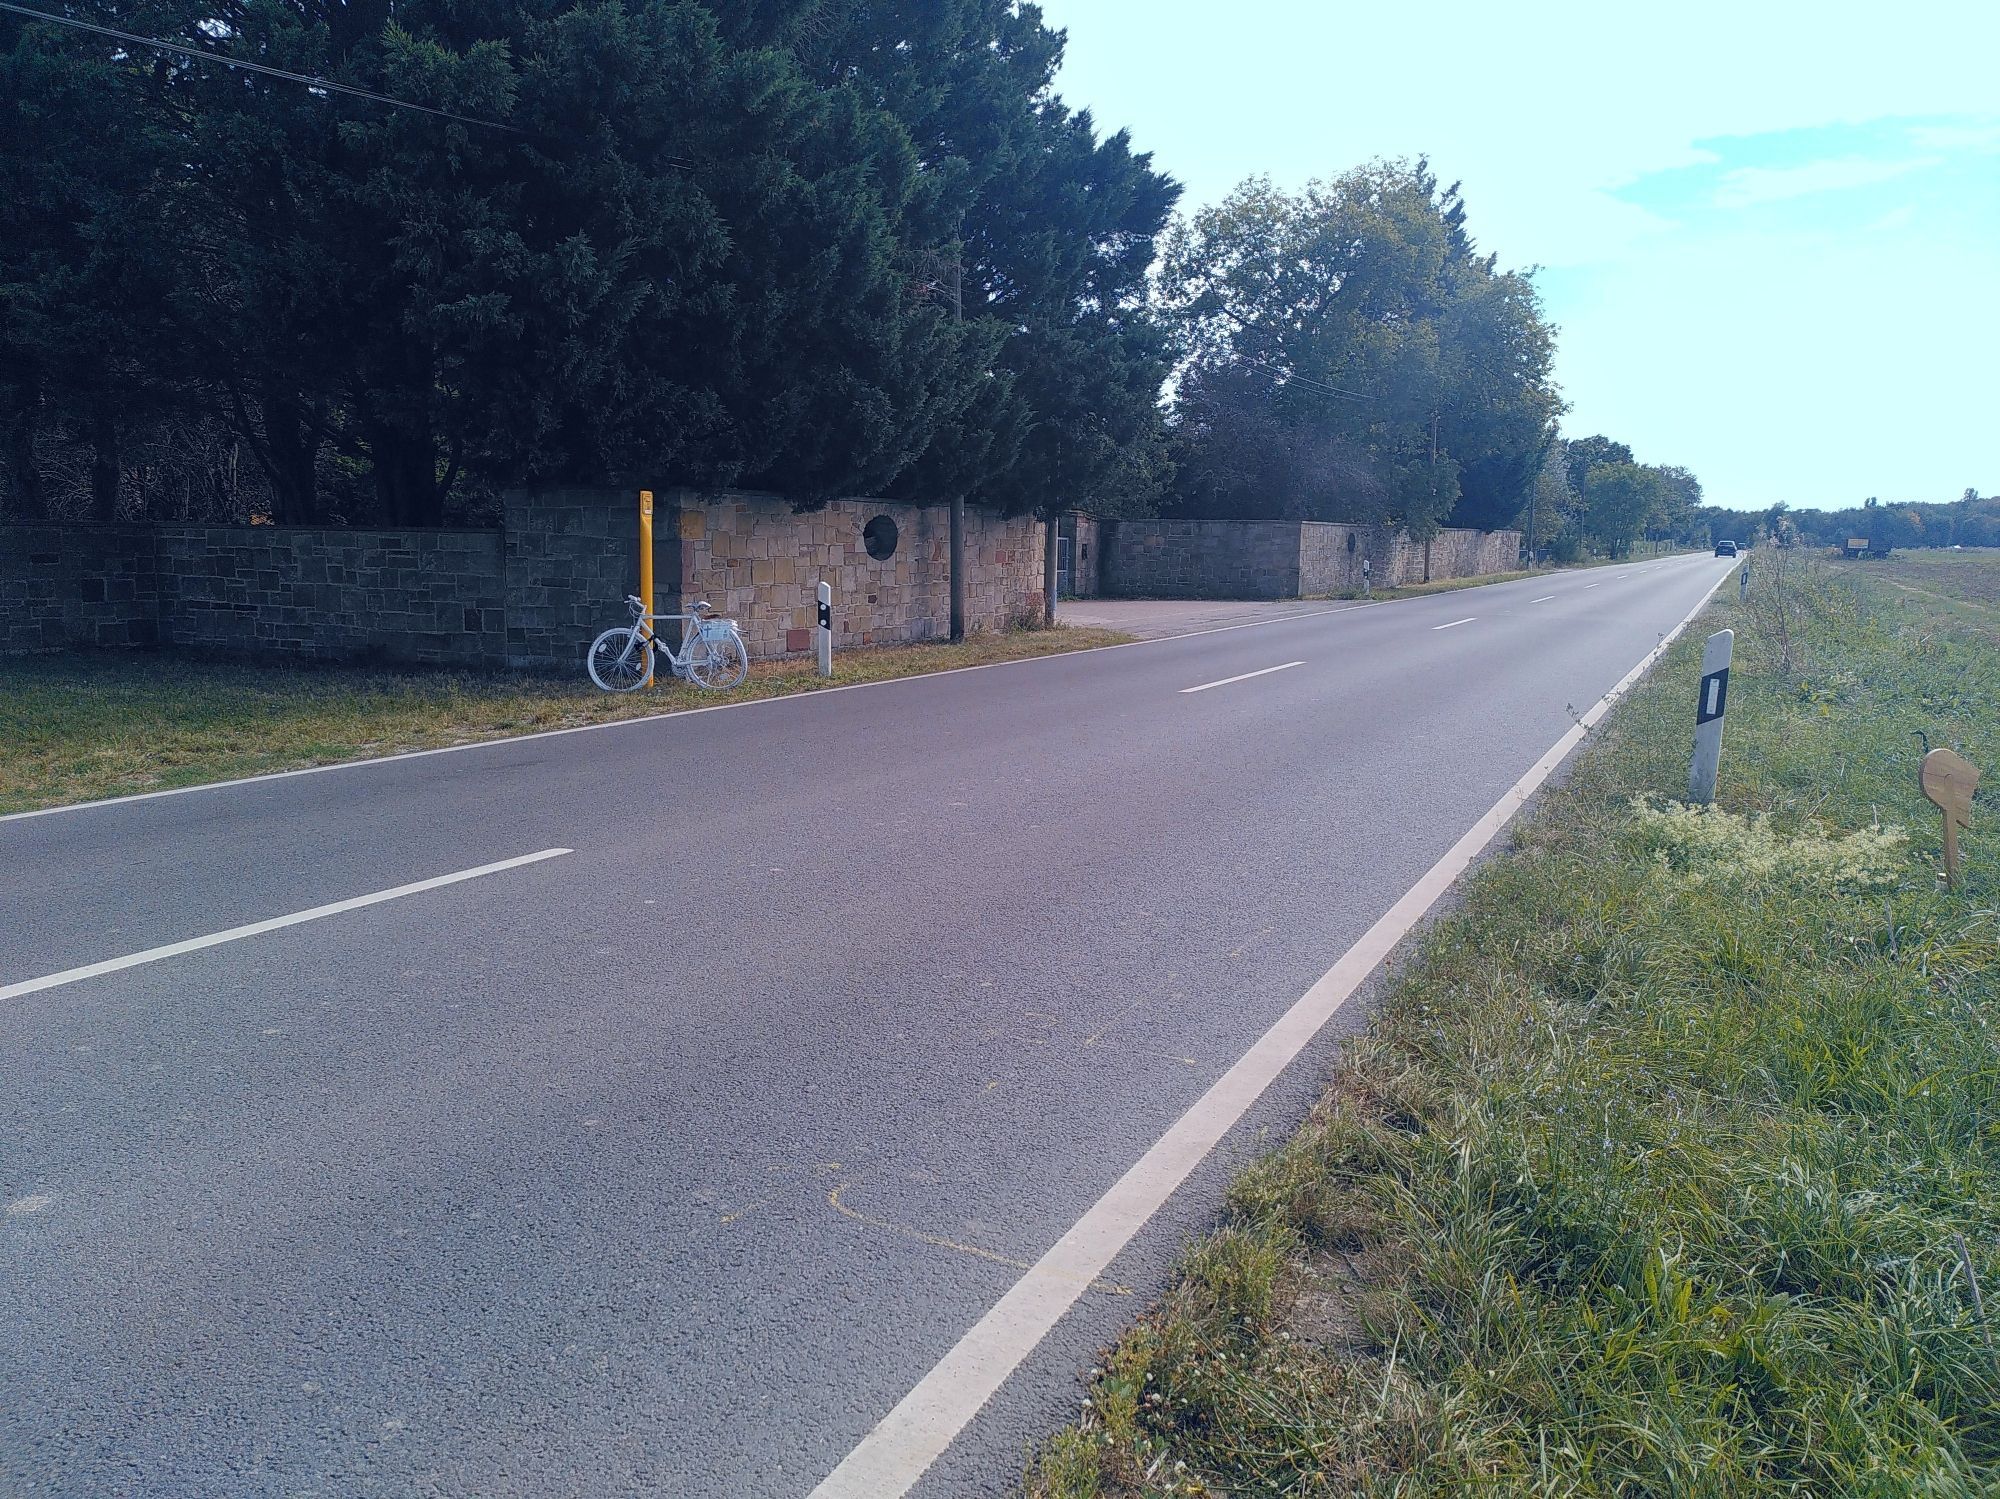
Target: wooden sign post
1949,780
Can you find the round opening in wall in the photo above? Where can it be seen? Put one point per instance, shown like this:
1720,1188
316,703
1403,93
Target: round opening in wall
879,536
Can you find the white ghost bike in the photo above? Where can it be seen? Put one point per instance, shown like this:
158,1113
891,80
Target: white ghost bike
711,655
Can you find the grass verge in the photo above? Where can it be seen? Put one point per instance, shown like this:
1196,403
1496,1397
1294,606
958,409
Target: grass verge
80,726
1668,1165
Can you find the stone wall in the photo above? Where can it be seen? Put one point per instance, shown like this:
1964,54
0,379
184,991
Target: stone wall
76,585
1472,554
1086,554
530,596
434,597
572,555
1200,559
1286,559
1330,557
760,562
428,597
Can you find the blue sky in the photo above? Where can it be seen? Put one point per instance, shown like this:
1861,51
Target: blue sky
1770,232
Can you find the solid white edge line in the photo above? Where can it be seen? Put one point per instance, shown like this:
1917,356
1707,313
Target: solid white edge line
272,924
903,1444
1466,621
1243,677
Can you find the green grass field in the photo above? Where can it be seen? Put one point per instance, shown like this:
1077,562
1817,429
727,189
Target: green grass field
1671,1162
80,726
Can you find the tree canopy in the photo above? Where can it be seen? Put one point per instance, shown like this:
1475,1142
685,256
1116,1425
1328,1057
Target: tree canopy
1345,353
817,248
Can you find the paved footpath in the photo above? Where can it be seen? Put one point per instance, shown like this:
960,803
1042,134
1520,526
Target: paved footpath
654,1109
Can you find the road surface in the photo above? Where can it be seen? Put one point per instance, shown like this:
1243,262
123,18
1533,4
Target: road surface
720,1071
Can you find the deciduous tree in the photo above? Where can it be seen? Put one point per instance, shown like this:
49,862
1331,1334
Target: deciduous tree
1345,354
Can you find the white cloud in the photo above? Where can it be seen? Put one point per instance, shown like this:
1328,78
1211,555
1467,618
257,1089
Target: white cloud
1745,187
1981,138
1621,148
1899,217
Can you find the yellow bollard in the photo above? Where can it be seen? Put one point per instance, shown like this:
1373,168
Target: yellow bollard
646,558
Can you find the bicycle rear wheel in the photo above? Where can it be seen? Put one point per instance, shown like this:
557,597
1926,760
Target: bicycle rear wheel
620,659
719,664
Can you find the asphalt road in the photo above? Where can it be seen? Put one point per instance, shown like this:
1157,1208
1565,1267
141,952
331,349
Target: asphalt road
669,1164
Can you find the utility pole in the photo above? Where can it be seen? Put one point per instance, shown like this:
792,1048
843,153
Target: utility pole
957,569
1051,525
958,499
1534,499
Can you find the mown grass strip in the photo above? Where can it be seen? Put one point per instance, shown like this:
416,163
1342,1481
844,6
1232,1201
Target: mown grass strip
80,726
1650,1175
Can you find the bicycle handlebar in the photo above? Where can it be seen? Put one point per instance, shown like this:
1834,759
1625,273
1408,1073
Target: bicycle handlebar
638,607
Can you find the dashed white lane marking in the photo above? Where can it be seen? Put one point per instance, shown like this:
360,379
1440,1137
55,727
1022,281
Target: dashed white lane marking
1466,621
1590,585
903,1445
1543,599
1243,677
271,924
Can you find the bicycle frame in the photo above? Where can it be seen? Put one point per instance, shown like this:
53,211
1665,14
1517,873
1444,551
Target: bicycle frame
645,621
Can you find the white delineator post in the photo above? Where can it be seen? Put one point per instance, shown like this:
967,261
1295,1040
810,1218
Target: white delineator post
1708,710
823,631
1743,583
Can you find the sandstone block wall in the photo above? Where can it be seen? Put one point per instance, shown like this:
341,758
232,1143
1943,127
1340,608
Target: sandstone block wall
533,594
761,562
529,596
1086,554
1286,559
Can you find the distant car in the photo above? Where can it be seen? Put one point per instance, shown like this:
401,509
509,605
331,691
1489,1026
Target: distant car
1725,549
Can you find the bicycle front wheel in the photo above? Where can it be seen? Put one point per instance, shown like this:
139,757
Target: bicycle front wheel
620,659
719,664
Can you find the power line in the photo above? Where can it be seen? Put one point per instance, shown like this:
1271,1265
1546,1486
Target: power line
1291,377
1282,376
203,55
